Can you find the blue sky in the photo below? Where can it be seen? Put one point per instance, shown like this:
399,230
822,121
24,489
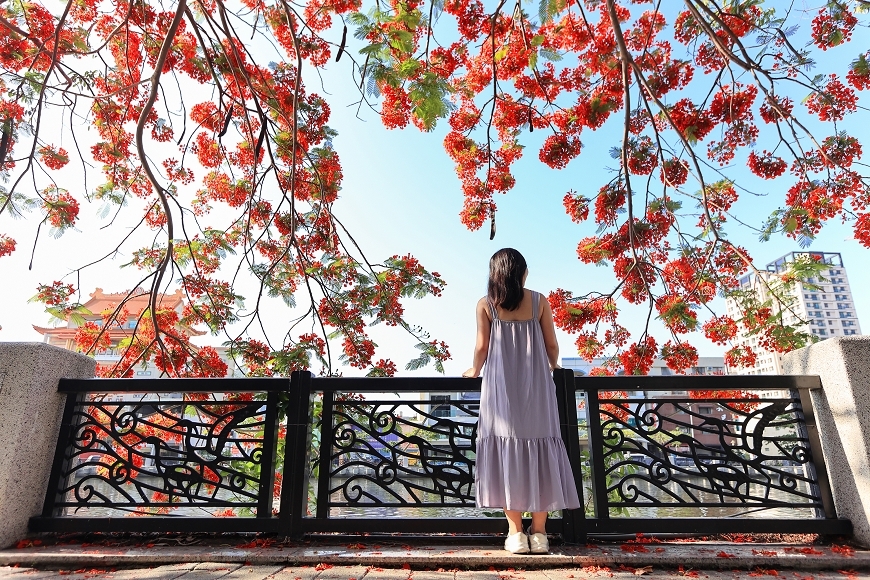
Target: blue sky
401,195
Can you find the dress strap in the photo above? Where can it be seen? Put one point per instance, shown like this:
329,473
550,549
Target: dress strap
492,309
534,305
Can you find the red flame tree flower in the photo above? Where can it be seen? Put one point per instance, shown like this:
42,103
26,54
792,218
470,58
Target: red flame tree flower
693,90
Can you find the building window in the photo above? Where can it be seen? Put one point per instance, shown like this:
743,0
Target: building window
705,410
440,405
844,306
845,315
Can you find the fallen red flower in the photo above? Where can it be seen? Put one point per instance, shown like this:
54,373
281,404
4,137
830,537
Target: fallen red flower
764,572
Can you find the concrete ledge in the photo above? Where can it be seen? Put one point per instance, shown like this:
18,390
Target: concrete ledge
696,555
842,410
30,414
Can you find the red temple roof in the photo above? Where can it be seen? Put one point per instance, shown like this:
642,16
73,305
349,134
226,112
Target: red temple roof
137,300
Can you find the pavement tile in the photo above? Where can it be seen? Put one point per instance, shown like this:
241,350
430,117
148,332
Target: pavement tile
26,573
158,573
208,574
6,571
253,573
513,574
343,573
494,556
296,573
426,575
478,575
403,574
378,573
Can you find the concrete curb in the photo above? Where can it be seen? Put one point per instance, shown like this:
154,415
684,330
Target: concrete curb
701,556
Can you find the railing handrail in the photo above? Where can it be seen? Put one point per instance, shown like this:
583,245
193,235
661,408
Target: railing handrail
203,385
436,384
698,382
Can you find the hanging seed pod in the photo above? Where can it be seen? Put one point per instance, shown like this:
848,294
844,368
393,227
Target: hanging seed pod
342,45
261,138
226,122
492,222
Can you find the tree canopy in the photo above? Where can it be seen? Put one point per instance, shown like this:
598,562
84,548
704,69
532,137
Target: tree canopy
197,120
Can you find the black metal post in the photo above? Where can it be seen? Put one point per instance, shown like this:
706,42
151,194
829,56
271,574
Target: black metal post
267,457
325,457
61,459
816,457
294,493
596,454
572,520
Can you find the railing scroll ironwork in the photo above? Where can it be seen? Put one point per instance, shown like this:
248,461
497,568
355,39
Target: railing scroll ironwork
686,454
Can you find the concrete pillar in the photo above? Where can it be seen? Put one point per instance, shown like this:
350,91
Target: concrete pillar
842,409
30,414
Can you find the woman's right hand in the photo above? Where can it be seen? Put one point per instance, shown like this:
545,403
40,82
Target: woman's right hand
471,374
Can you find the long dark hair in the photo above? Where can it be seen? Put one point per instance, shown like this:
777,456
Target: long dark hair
506,270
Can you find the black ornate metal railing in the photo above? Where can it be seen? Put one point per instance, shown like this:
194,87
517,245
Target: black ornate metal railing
145,455
688,454
720,448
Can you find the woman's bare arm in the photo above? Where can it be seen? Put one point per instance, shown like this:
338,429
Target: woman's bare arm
481,347
549,331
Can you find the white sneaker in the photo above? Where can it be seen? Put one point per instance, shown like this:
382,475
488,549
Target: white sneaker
517,543
539,543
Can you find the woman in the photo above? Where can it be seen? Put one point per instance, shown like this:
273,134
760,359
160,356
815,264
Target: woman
521,460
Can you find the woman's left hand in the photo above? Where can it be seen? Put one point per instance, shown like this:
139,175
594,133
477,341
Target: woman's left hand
470,374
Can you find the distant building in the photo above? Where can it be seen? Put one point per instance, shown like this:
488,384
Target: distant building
829,308
64,336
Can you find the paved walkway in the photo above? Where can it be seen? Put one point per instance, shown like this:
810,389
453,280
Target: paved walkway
265,559
223,571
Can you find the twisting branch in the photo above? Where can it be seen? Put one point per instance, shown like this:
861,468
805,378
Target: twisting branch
165,262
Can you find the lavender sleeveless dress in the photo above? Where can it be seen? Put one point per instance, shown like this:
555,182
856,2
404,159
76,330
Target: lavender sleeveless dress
521,459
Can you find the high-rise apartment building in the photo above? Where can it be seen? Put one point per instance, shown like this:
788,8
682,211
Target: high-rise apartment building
826,305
